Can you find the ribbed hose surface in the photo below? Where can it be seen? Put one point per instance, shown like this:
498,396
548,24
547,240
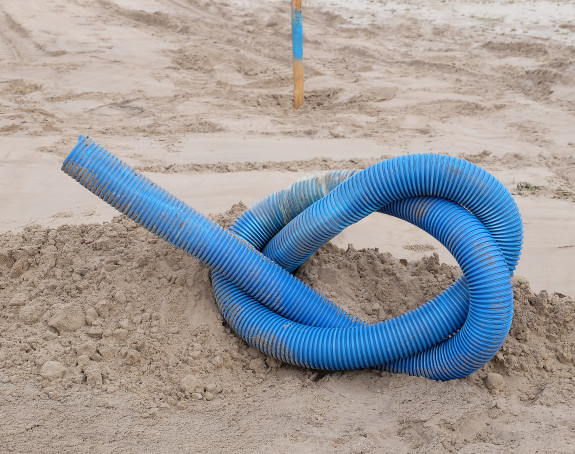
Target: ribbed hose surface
460,204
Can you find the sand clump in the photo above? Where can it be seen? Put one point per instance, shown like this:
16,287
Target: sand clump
52,370
68,317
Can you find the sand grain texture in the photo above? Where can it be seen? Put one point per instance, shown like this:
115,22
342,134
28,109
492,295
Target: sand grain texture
110,340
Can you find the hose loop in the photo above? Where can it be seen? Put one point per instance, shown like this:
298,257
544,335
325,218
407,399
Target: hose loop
457,202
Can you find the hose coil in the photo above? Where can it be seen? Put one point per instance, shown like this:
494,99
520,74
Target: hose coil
460,204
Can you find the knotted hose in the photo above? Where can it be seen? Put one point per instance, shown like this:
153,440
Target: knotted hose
460,204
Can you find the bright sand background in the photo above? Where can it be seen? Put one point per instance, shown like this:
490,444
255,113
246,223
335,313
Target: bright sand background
198,96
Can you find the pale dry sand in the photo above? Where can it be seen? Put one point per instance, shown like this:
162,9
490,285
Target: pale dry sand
198,96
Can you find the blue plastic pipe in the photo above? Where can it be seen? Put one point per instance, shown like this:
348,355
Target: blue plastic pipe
460,204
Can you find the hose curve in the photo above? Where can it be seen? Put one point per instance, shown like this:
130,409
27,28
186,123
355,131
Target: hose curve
460,204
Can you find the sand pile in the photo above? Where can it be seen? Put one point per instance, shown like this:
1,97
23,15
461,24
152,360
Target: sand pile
113,309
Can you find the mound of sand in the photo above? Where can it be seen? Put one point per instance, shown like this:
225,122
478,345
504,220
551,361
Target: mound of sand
108,309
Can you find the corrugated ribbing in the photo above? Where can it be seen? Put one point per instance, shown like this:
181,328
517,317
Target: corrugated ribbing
458,203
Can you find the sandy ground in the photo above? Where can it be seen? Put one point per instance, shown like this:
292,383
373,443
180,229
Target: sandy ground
198,96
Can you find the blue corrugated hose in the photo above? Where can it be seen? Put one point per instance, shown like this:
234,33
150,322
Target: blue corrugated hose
460,204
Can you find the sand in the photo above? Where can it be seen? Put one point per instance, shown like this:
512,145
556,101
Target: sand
110,340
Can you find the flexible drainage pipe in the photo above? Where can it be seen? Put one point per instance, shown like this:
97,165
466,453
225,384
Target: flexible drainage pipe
460,204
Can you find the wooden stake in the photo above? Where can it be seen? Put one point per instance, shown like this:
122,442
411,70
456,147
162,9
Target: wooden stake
297,46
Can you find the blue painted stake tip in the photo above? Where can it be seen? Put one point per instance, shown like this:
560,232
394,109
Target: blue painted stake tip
297,50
